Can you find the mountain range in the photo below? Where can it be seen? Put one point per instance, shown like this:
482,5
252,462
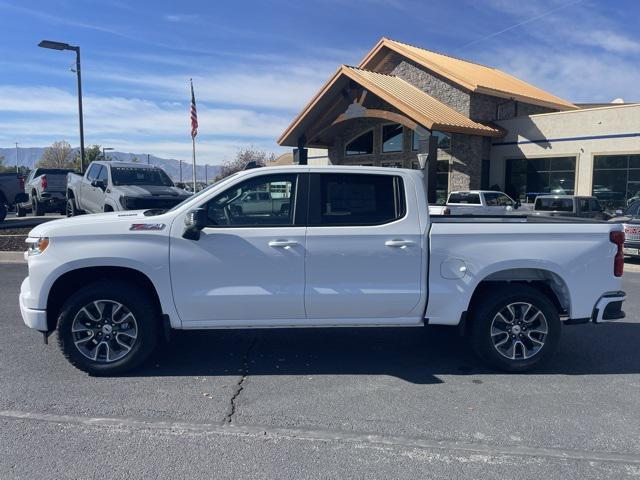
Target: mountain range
29,156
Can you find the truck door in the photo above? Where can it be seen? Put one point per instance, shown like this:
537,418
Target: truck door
247,266
88,194
364,247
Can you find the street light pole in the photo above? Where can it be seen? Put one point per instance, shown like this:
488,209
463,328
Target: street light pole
17,169
65,46
80,116
104,155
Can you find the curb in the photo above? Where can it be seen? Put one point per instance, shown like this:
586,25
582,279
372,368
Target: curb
12,257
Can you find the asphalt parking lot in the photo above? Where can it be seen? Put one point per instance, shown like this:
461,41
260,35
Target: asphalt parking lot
344,403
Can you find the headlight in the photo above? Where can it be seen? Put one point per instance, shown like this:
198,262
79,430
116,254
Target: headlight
35,246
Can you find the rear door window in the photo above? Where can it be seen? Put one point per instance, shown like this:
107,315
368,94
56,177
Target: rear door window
554,204
355,199
464,198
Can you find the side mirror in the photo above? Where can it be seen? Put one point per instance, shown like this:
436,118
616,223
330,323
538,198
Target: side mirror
517,205
98,184
194,222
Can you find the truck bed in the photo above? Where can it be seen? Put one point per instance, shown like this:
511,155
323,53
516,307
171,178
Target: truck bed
510,219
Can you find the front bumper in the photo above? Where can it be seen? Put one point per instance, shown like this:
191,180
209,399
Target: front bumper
609,307
36,319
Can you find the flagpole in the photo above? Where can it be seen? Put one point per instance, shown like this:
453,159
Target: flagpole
193,113
193,143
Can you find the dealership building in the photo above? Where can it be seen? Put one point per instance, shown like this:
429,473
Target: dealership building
479,127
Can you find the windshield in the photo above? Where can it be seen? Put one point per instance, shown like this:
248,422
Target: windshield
140,176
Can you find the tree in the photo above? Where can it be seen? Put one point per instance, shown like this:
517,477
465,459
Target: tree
5,168
91,154
244,156
135,159
58,155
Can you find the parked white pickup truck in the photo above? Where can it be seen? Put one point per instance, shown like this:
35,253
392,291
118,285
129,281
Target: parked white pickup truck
355,247
115,186
476,202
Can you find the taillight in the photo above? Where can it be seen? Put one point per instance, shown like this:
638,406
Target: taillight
618,260
446,211
43,182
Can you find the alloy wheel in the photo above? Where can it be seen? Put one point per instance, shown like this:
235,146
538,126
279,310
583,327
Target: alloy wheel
104,331
519,331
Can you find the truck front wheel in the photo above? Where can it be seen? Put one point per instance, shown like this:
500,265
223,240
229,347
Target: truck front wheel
108,329
514,328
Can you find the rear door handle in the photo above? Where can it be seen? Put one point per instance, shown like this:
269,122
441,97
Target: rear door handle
398,243
282,243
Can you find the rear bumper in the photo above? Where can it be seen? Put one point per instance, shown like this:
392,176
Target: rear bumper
609,307
36,319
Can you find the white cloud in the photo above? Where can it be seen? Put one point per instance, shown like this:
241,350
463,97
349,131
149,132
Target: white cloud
181,17
279,87
40,115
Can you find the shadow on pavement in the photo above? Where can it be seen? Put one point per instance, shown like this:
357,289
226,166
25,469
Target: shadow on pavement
416,355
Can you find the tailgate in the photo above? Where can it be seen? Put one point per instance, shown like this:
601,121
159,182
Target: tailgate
56,182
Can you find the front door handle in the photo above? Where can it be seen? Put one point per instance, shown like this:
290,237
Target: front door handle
282,243
398,243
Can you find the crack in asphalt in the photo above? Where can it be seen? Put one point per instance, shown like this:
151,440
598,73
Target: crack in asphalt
371,439
244,373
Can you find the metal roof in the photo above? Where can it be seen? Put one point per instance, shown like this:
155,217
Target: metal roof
472,76
418,105
411,101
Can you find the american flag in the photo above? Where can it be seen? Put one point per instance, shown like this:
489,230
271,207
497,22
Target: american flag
193,114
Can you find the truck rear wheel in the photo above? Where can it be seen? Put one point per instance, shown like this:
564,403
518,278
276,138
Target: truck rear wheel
71,208
36,207
514,328
20,211
108,329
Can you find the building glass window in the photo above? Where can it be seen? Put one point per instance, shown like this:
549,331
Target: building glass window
526,178
442,181
616,180
361,145
392,138
444,140
415,141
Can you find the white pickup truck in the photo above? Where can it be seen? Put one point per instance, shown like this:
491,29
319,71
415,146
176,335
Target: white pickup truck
476,202
116,186
355,247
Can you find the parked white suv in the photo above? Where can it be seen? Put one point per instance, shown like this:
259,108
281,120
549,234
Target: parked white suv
354,247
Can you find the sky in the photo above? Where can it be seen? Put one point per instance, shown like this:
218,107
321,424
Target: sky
255,64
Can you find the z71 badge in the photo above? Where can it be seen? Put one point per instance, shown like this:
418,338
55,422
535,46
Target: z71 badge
147,226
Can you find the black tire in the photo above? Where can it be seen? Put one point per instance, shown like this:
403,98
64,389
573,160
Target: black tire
3,211
495,300
71,210
36,207
20,210
145,317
